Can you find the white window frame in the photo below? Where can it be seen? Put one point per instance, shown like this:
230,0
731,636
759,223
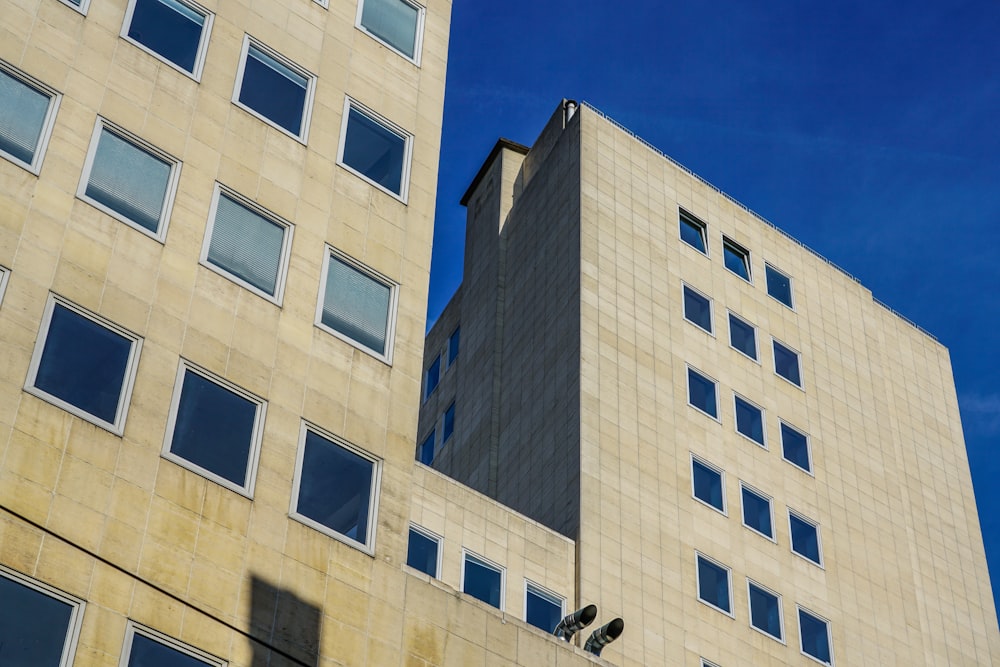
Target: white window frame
133,628
756,339
770,509
418,41
257,433
438,539
303,136
711,309
729,581
82,9
722,474
172,180
684,213
819,537
707,663
763,420
791,290
286,244
4,279
799,610
390,324
75,617
407,137
715,383
128,381
798,358
487,563
374,494
747,258
35,166
809,456
781,611
544,593
206,30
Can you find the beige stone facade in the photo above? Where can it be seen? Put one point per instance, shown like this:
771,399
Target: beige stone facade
574,395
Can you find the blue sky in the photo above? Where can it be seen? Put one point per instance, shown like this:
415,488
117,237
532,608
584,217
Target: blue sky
868,131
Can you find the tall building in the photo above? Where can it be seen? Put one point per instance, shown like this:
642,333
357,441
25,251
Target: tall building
756,461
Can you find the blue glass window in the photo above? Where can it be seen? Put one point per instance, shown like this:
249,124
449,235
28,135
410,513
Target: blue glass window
765,611
375,151
422,552
453,342
778,285
743,336
24,112
757,512
697,309
693,232
702,394
815,635
148,652
449,423
805,537
425,452
34,626
795,447
356,305
432,377
542,609
275,89
750,420
736,258
713,584
786,363
482,580
395,22
707,482
170,28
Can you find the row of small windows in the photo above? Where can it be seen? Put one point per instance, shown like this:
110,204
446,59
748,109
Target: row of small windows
432,376
735,257
708,486
485,580
428,449
765,610
87,366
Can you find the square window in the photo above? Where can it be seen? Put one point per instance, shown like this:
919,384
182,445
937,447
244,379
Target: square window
431,377
175,31
396,23
215,429
786,363
750,420
357,305
765,611
84,364
335,489
743,336
795,447
483,580
805,537
423,551
375,149
145,647
27,114
703,393
778,285
697,309
542,608
39,625
425,452
757,512
713,584
453,341
247,244
736,258
707,484
693,231
129,179
449,423
814,633
274,89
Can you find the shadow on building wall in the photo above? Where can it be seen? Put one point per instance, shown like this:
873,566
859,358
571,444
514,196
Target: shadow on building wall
287,628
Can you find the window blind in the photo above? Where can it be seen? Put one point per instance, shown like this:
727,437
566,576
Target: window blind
356,305
246,244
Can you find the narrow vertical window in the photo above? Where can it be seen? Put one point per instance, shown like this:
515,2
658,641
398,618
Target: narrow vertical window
423,551
814,633
779,285
39,625
453,342
425,452
4,277
693,231
274,89
27,114
736,258
175,31
431,377
396,23
765,611
483,580
449,424
542,609
375,149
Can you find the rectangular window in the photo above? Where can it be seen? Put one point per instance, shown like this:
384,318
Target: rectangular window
757,514
804,537
453,341
423,551
693,231
483,580
396,23
4,277
425,452
779,285
765,611
175,31
795,447
703,393
697,309
247,244
145,647
542,608
431,377
39,625
707,484
706,663
129,179
274,89
215,429
336,488
79,5
713,584
736,258
786,363
375,149
749,420
84,364
357,305
27,115
449,424
814,634
743,336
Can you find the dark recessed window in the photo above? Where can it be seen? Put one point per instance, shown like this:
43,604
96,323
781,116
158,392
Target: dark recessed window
432,377
375,149
743,336
815,635
543,610
778,285
422,551
274,89
765,611
215,429
425,452
38,625
750,420
697,309
453,341
27,114
84,365
757,512
805,537
146,648
174,30
702,393
693,231
449,423
713,584
795,447
736,258
707,483
357,306
483,580
396,23
786,363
